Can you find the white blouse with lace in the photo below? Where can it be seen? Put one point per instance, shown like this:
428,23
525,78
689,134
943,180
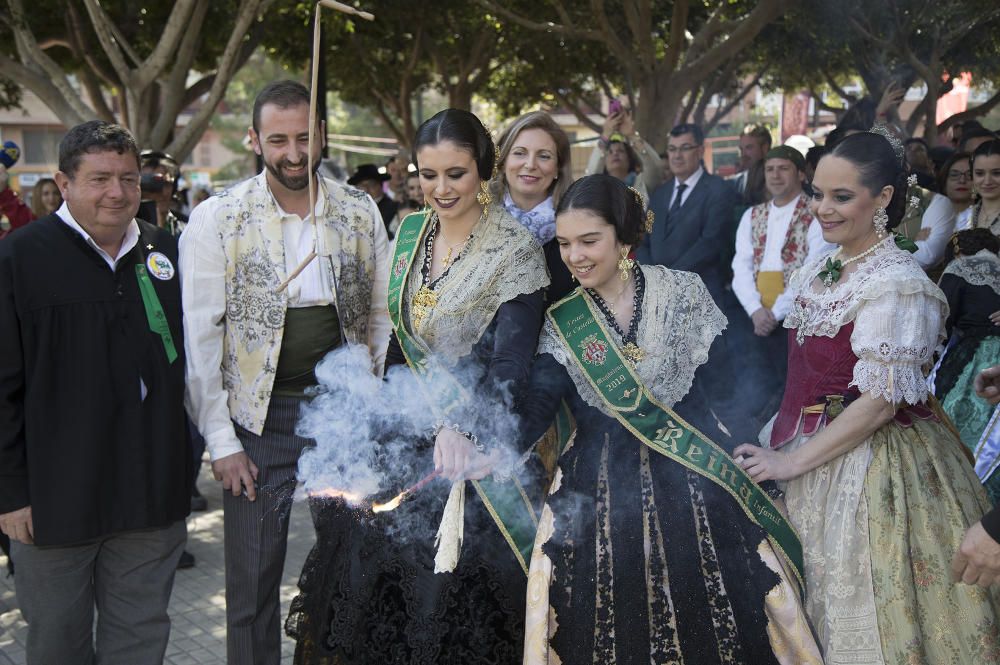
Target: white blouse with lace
898,315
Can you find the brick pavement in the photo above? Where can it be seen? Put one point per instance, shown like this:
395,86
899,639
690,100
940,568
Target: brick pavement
198,605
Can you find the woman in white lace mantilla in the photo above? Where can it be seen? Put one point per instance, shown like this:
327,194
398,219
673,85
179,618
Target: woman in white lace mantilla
971,282
880,490
639,558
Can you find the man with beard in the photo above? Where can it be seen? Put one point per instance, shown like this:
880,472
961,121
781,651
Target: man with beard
253,346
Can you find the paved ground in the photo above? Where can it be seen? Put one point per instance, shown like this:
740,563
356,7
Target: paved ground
198,605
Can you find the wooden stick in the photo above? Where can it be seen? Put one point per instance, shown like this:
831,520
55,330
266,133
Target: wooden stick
295,273
421,483
311,165
347,9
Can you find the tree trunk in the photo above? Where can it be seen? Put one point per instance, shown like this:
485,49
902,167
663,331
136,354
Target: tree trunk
660,100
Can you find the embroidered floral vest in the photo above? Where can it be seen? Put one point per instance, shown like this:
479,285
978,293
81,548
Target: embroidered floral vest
247,221
795,249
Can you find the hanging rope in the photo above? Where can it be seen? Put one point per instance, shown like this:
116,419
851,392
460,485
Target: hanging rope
314,80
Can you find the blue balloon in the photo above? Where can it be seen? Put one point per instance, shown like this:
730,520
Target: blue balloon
10,154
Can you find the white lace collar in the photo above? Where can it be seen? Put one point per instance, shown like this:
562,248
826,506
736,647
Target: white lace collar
981,269
824,313
678,325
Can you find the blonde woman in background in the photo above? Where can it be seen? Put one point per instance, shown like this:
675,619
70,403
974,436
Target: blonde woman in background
45,198
534,170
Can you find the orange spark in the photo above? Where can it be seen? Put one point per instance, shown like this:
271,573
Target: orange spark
389,505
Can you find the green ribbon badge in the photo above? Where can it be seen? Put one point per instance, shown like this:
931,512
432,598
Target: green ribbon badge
154,312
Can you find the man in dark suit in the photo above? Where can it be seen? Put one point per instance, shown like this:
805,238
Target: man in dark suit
694,228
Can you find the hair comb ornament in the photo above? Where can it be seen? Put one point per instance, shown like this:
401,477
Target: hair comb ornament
897,145
642,204
637,195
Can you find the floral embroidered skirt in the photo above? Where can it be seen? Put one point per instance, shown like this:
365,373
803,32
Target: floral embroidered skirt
638,560
880,525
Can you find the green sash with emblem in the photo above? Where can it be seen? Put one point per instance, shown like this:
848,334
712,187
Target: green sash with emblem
659,427
507,502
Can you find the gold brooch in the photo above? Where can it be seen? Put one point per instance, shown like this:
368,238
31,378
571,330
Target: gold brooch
633,352
423,302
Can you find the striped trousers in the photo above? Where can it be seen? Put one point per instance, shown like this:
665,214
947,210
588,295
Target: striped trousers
256,535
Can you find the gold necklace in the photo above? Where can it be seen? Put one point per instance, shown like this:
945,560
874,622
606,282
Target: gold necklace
426,298
611,305
446,259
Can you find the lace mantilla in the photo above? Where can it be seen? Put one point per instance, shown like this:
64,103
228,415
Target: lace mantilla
679,323
501,262
982,269
898,316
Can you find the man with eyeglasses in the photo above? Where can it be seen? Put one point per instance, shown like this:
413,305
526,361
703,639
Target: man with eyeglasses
694,228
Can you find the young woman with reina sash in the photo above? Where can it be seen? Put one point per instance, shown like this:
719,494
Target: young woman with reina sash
878,487
653,546
465,299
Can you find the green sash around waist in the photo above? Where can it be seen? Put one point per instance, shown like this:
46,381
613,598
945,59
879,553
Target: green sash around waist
659,427
506,502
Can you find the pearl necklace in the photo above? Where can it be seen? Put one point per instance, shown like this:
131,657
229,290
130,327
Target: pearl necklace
834,266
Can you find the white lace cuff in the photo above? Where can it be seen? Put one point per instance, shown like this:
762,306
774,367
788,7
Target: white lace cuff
894,382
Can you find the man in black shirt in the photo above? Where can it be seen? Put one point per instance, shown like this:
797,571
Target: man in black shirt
368,179
94,458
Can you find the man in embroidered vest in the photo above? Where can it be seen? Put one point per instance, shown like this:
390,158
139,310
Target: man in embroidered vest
95,461
253,347
773,240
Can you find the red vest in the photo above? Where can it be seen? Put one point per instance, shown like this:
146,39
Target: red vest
795,249
819,368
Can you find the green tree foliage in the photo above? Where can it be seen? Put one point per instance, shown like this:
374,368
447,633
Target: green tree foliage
671,58
140,63
821,45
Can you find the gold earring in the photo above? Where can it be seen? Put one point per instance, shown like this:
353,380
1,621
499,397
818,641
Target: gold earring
483,196
625,265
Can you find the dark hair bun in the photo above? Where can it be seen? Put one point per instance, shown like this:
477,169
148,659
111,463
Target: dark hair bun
971,241
611,200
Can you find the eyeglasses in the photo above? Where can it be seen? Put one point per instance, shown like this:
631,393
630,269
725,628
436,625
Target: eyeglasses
687,147
959,175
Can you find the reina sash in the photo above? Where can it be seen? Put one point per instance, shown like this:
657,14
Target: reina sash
507,502
659,427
